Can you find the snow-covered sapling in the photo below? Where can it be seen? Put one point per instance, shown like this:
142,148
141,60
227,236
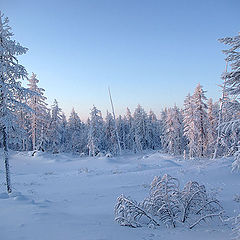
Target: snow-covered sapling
130,213
168,205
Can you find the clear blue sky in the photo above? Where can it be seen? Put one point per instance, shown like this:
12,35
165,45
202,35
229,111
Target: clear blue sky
149,52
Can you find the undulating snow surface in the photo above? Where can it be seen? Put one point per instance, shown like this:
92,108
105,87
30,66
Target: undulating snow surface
60,197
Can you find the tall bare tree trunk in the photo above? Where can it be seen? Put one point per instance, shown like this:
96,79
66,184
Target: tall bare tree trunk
6,161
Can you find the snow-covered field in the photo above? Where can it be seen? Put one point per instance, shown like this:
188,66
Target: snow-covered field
66,197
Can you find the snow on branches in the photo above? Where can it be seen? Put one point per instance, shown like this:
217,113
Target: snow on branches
236,228
168,205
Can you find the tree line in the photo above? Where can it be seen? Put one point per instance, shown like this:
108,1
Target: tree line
202,128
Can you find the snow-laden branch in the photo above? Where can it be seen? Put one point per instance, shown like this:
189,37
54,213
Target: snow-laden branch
168,205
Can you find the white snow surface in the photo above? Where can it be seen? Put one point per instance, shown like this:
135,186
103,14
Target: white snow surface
67,197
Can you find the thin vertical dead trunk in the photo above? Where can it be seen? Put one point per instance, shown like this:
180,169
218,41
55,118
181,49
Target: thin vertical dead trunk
6,161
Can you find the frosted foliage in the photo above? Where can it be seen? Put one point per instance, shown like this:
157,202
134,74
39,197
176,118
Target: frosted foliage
140,128
163,200
233,57
55,128
236,163
12,94
11,71
76,134
111,136
168,205
236,228
173,132
96,132
38,117
153,128
230,126
196,123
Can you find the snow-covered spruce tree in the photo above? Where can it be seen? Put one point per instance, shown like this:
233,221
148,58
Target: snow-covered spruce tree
233,57
190,126
64,134
38,116
122,129
140,129
18,134
10,72
232,80
173,132
153,129
55,128
77,136
196,123
163,128
200,114
110,135
130,139
227,132
96,137
212,129
230,128
74,132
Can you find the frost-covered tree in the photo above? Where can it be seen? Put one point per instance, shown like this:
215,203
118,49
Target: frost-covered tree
38,116
153,129
96,135
212,128
190,126
122,129
110,135
77,136
196,123
55,128
163,128
18,134
130,138
232,81
64,133
140,128
200,114
233,57
173,136
10,72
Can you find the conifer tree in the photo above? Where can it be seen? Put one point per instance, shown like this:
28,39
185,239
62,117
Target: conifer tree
163,127
130,133
55,128
11,72
77,140
174,131
232,81
64,133
201,122
122,129
140,129
212,128
38,115
110,135
190,126
96,132
153,128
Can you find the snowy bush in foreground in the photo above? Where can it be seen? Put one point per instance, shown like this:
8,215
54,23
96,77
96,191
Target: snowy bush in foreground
168,205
